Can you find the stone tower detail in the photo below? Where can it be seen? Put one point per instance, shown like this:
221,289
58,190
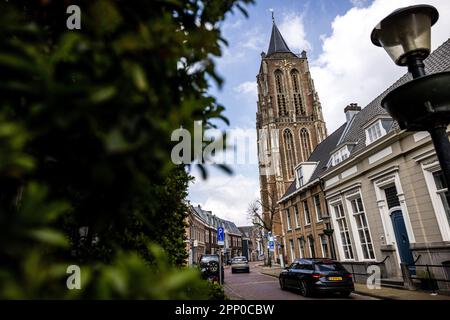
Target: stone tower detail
289,120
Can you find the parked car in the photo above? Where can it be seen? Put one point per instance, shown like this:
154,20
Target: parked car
239,264
317,276
209,267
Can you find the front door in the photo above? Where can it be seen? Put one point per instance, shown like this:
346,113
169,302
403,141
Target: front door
402,239
398,224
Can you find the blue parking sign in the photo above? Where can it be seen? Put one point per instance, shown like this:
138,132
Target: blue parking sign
220,236
271,245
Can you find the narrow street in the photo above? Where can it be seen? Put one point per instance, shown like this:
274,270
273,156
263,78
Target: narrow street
257,286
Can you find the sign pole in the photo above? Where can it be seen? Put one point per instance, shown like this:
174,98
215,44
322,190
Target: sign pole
220,243
220,265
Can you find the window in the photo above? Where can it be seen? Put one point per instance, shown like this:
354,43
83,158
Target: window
312,251
288,218
289,151
297,220
281,98
442,192
374,132
340,155
291,246
306,145
344,234
301,247
298,104
306,212
362,227
318,207
324,245
301,179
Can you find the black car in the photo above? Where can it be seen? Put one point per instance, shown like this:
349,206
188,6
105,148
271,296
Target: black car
317,276
209,267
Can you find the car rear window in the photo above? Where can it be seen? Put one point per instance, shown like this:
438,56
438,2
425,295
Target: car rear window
238,260
209,258
329,266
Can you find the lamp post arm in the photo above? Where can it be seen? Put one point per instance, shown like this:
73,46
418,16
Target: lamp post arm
416,66
442,146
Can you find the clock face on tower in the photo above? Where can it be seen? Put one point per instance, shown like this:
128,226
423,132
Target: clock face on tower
284,65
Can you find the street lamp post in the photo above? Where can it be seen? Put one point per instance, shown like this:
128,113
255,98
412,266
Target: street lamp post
422,104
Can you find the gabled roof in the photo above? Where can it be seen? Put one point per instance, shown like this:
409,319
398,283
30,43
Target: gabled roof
214,221
438,61
321,155
277,43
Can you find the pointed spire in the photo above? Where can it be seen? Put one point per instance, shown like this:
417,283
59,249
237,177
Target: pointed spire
277,43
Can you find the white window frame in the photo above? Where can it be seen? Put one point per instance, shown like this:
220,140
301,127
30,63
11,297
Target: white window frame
292,249
441,217
322,236
372,134
336,223
306,213
317,210
340,155
300,248
354,228
288,219
301,179
311,241
296,216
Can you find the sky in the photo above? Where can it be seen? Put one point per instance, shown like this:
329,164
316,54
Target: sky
345,66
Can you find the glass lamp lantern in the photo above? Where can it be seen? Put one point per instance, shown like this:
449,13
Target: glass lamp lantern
406,33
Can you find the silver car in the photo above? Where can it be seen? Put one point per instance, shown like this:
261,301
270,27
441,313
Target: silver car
239,264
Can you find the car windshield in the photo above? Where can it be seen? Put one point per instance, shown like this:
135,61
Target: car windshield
209,258
326,266
239,260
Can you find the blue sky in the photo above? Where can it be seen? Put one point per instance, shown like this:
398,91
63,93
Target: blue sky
344,65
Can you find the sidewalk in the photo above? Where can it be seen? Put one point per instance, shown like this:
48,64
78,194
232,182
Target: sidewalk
383,293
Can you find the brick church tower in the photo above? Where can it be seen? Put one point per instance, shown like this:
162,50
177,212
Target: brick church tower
289,121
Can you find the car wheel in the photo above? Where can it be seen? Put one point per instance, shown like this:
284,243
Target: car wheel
345,294
282,285
304,289
232,271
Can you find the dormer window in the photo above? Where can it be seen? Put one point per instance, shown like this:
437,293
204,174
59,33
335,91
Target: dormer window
301,180
377,129
340,155
304,172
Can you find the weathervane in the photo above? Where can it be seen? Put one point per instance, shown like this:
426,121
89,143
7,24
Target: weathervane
273,16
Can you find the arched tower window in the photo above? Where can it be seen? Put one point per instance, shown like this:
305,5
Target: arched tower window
289,151
298,103
281,97
306,143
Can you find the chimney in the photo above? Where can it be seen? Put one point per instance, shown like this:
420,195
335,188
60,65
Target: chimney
351,110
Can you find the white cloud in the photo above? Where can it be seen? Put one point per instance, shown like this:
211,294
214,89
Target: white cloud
227,197
293,31
247,87
351,68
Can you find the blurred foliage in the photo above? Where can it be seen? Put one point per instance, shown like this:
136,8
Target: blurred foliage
85,121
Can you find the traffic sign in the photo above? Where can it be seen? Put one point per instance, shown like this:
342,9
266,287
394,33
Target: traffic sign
220,236
271,245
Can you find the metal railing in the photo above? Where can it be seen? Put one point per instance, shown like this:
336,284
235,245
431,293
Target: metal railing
429,281
366,265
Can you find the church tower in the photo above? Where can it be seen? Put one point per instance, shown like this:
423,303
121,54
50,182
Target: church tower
289,120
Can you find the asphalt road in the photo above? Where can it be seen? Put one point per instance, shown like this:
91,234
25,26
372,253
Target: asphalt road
257,286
